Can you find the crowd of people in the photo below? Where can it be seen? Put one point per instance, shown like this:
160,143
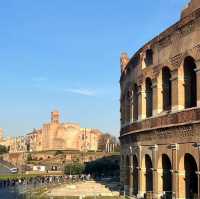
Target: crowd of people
39,181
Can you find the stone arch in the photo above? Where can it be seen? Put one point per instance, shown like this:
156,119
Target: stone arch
149,57
127,111
149,173
167,175
149,97
188,179
135,102
166,88
135,175
190,82
191,178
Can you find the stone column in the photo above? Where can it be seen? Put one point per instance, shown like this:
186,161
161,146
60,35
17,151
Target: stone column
178,97
141,175
181,185
141,102
198,82
132,107
155,173
160,182
131,176
157,95
175,174
198,172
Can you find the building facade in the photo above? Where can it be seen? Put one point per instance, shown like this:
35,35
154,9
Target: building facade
160,113
55,136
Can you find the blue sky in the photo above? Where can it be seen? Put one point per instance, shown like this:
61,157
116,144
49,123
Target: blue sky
64,55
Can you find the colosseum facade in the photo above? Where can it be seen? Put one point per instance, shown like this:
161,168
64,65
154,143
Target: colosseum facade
160,113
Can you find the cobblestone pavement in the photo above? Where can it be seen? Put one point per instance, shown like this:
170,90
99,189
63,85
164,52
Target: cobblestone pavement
89,188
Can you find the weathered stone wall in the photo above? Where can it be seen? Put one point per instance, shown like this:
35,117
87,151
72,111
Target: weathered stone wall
160,152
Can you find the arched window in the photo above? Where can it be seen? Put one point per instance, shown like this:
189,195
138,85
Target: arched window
149,174
135,102
166,84
190,82
149,97
135,175
128,106
149,57
122,110
167,176
191,178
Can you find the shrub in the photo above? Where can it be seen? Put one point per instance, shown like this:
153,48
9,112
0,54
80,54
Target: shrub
74,169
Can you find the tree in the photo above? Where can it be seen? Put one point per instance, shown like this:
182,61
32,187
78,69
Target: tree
3,149
29,157
74,169
107,166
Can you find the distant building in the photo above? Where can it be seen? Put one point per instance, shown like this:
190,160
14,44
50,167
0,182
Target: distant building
54,136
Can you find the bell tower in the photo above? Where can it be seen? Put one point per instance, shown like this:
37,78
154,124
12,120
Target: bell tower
191,7
55,117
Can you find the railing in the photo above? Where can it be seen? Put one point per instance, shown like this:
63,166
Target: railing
185,116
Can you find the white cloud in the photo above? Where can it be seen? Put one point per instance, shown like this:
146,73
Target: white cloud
80,91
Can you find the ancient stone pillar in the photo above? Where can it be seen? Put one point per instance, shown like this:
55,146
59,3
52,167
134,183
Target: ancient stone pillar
155,173
198,172
132,107
157,95
141,175
160,182
175,174
178,98
181,184
141,102
131,176
198,82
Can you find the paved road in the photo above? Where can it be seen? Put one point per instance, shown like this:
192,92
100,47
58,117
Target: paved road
4,170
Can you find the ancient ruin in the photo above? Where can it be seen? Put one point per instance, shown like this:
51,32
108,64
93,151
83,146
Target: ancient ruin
160,113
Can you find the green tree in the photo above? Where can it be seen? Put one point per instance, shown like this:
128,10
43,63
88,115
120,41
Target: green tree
29,157
3,149
74,169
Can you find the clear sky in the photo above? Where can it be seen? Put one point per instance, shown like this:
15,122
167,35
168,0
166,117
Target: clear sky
64,55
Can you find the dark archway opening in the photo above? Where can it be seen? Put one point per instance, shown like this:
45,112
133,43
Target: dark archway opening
128,106
135,175
149,97
191,179
167,176
190,82
149,174
166,82
135,102
149,57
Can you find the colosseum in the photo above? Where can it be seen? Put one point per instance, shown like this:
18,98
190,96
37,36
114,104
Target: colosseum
160,113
